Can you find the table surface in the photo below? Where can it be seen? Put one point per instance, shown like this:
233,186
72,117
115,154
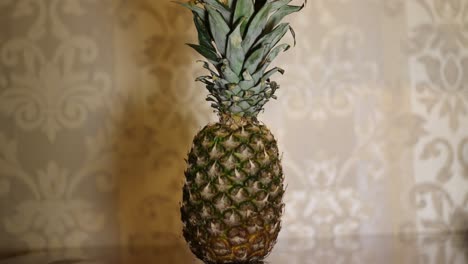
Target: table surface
427,249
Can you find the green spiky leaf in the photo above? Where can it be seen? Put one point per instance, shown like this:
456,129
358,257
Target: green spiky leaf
204,37
206,65
293,35
271,39
226,14
219,29
274,53
220,83
207,53
234,88
270,57
258,88
260,20
229,3
246,76
277,4
205,79
245,85
228,74
247,81
235,53
200,11
284,11
244,9
244,105
269,73
254,59
256,27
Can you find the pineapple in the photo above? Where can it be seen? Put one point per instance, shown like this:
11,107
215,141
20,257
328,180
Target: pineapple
232,197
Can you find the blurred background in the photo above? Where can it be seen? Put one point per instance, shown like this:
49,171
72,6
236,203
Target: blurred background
98,108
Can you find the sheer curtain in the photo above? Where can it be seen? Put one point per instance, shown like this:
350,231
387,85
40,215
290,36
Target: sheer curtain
98,107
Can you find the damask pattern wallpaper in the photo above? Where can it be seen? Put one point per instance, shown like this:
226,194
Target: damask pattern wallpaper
98,107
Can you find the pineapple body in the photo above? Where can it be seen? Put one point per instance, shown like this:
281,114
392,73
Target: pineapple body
232,198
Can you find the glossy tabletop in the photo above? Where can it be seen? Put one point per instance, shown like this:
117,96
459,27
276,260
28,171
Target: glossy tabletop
437,249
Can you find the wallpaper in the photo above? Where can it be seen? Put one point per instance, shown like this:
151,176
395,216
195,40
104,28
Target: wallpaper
98,107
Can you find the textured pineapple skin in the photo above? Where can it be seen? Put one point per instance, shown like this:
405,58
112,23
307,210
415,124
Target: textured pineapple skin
232,198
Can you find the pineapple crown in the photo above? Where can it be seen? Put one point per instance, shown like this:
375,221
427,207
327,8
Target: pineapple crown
240,39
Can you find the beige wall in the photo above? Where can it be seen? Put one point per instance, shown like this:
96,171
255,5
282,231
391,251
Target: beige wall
98,108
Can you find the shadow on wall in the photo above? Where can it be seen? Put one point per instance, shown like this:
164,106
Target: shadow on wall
155,127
